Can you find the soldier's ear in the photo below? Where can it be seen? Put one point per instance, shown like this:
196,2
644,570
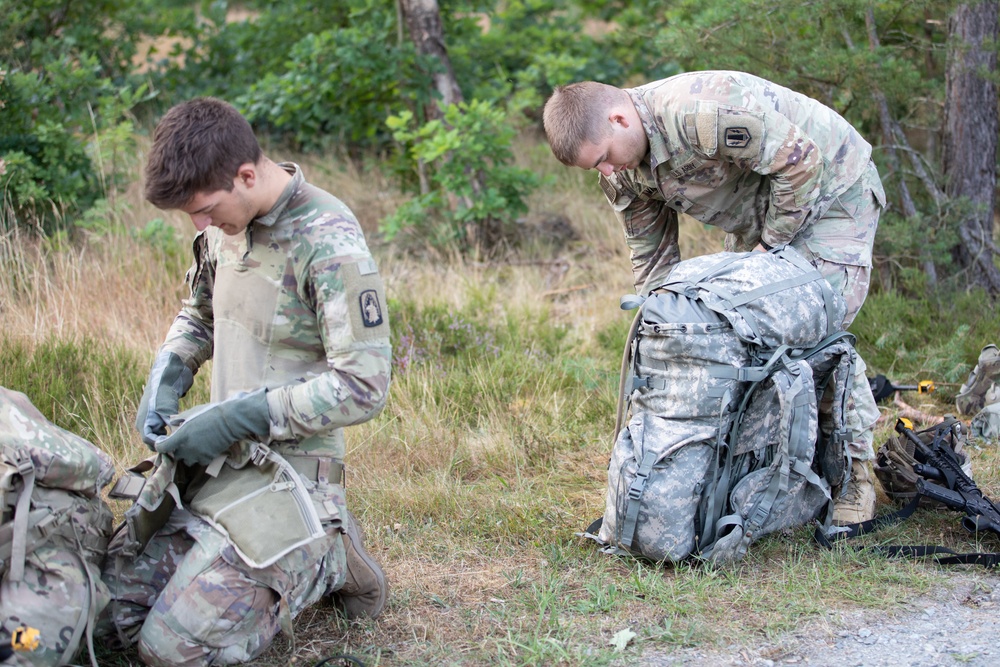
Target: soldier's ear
247,174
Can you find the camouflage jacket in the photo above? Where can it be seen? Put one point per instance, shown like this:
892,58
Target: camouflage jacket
741,153
295,304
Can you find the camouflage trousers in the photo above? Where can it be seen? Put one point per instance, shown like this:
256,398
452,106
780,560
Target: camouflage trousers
190,600
857,210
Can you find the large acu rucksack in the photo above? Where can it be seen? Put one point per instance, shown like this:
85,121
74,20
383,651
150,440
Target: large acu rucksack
54,532
723,374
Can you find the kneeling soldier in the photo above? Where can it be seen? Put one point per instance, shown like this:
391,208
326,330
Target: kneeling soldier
244,523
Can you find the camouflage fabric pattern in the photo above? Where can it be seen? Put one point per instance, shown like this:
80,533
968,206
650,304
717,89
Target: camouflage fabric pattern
300,307
190,599
741,153
979,395
665,529
687,364
60,587
61,459
685,361
801,315
983,384
55,597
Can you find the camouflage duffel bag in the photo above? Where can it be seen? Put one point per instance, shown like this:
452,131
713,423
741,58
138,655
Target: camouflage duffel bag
54,532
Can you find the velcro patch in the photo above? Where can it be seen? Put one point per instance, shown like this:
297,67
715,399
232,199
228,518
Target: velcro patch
365,300
610,191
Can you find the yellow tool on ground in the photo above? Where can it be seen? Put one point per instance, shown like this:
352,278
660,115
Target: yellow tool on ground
883,388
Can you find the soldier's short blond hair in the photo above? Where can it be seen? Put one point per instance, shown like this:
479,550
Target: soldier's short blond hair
577,113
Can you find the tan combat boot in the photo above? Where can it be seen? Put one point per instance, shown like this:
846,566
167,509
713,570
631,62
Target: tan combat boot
857,502
364,591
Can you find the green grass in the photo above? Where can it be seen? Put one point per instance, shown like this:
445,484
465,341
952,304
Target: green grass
473,481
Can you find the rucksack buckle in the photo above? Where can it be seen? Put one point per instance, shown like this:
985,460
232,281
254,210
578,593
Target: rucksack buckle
259,454
637,486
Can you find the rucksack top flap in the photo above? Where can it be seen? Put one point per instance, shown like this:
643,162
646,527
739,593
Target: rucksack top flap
60,459
771,299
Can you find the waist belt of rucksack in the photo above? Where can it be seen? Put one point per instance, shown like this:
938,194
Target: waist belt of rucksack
320,469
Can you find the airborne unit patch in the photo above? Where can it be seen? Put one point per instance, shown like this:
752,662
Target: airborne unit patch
371,309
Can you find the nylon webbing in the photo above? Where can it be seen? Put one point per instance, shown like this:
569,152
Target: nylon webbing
19,543
634,496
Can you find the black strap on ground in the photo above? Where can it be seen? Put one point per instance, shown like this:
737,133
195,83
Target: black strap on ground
988,560
347,661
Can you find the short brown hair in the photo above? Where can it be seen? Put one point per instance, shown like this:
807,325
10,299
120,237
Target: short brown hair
198,146
578,113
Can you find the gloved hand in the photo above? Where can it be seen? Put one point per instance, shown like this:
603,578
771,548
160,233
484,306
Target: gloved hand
169,379
211,429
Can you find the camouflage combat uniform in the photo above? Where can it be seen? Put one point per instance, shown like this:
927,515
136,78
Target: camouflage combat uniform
296,305
764,163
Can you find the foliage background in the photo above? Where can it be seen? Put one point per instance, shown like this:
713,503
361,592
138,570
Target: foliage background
492,451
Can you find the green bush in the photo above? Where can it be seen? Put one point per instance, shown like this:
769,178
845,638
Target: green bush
336,87
473,195
65,101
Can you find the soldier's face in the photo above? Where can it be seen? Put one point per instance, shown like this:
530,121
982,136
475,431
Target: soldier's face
231,211
623,148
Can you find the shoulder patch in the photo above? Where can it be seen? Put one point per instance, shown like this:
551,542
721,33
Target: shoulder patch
366,305
741,134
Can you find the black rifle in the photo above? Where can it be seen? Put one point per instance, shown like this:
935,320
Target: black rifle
944,480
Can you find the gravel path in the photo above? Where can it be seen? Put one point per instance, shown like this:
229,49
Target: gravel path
957,626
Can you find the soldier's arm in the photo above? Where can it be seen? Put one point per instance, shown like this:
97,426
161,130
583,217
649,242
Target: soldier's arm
190,335
766,142
650,228
350,307
794,163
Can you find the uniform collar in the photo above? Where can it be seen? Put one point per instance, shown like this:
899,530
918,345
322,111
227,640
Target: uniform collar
658,151
269,218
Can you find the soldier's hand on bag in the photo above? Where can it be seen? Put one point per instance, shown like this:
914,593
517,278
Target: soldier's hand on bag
209,430
169,379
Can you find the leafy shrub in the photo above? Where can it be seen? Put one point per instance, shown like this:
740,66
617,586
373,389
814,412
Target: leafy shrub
473,194
64,91
336,87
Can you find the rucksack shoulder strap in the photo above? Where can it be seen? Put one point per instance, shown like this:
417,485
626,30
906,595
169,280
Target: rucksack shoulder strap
21,460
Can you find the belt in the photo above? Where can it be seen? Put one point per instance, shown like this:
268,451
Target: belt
320,469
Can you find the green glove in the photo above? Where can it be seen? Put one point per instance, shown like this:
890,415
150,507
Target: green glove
211,429
169,379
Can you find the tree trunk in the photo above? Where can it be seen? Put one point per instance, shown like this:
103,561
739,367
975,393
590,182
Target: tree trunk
970,136
423,20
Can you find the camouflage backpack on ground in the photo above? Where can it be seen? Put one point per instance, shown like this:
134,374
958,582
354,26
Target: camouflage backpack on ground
54,532
980,395
723,374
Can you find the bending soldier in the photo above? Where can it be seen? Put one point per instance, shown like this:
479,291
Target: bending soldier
766,164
